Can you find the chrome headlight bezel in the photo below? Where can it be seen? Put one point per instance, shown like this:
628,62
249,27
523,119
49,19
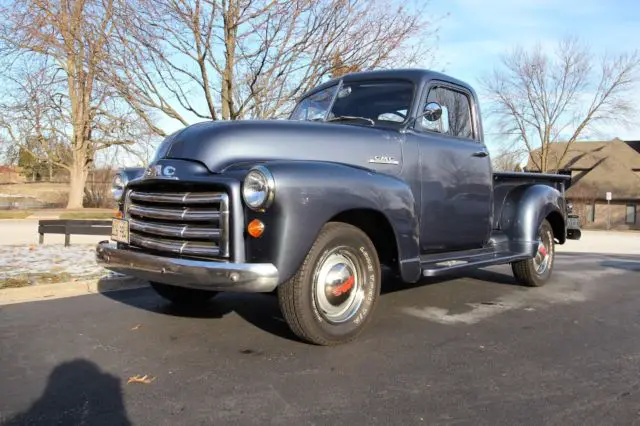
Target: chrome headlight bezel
258,188
118,185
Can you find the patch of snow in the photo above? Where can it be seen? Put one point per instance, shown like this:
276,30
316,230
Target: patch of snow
77,260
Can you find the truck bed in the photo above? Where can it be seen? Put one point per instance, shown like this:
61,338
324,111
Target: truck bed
505,182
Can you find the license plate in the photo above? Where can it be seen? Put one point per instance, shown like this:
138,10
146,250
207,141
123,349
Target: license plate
120,231
574,222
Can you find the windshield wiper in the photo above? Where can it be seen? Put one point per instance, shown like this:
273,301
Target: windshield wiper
350,117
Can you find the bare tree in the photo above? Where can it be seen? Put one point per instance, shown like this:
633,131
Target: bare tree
543,98
53,52
507,161
230,59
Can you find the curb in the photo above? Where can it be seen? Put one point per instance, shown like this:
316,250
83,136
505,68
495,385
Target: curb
35,293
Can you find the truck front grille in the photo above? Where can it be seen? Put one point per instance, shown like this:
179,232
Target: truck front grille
192,224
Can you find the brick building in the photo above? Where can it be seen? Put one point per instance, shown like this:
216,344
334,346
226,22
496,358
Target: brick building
595,169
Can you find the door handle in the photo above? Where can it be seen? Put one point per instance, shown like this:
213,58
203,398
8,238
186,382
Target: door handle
480,154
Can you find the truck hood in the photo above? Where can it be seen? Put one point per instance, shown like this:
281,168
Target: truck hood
219,145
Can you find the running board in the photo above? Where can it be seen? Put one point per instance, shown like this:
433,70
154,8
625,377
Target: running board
446,263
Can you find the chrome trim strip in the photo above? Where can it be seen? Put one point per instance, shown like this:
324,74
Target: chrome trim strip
174,214
224,226
206,275
179,197
192,248
178,231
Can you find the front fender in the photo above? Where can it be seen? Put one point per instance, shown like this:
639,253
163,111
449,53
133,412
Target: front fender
525,207
308,194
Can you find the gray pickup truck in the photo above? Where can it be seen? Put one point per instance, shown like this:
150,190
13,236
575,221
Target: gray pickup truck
381,168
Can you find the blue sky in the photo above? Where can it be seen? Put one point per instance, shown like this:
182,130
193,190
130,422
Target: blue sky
477,32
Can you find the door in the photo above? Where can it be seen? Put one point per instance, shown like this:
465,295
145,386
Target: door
455,172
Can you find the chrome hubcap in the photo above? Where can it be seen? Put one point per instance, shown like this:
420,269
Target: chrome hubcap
338,289
543,255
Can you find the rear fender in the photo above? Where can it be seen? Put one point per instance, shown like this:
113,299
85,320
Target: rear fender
309,194
525,207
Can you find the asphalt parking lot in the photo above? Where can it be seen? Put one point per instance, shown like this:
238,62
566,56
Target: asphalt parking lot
468,350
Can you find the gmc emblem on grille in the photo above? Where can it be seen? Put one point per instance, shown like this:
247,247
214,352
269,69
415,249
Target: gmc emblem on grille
160,171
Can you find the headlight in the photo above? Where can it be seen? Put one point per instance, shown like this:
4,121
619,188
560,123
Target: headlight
118,184
258,188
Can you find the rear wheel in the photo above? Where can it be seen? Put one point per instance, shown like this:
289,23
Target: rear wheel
182,296
536,271
332,296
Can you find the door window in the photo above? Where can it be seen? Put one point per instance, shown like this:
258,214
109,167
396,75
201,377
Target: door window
456,113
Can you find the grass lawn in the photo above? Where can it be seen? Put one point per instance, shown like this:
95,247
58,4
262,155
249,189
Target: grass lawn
27,280
87,215
14,214
47,192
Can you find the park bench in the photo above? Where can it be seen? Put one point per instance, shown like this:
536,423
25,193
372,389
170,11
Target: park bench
70,226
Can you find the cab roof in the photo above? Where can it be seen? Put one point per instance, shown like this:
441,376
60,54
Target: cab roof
417,76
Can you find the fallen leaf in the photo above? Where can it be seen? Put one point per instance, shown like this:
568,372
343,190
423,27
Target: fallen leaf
141,379
135,327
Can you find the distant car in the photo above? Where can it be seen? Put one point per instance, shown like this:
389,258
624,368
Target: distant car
374,168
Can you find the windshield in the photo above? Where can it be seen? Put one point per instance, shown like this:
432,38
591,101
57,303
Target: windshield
383,101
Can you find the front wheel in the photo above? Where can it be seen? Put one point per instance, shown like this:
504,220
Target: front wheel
332,296
536,271
181,296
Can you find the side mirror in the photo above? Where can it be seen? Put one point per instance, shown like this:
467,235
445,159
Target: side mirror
432,111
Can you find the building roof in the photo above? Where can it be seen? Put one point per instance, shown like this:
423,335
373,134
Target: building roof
612,166
586,155
608,176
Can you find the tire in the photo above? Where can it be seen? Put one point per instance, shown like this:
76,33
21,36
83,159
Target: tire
334,293
535,272
181,296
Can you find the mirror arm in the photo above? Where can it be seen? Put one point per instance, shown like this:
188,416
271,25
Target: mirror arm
408,124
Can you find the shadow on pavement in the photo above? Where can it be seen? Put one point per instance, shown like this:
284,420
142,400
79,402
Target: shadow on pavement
260,310
392,283
77,392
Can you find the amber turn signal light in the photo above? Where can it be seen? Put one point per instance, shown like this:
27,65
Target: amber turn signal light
255,228
119,215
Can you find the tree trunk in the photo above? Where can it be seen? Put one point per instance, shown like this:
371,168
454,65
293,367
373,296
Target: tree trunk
230,33
77,181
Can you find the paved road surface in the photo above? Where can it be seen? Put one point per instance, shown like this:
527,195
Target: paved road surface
476,350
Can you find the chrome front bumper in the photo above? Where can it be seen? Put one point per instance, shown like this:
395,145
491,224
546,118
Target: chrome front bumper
206,275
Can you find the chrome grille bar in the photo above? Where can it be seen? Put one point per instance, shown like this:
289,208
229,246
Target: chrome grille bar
178,231
176,247
178,197
179,223
177,214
